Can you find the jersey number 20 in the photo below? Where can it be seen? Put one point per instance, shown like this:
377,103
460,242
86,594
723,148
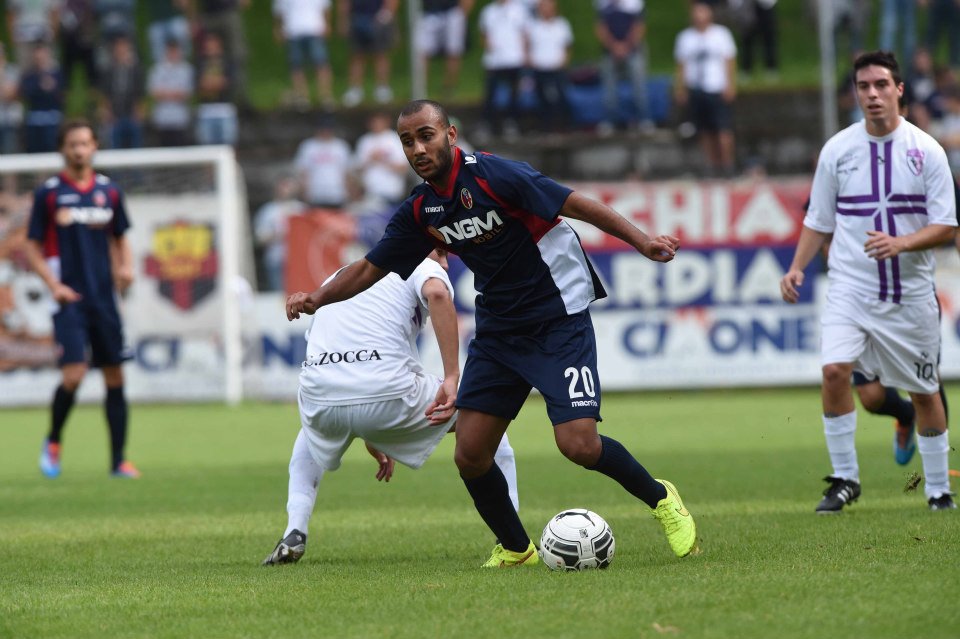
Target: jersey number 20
588,386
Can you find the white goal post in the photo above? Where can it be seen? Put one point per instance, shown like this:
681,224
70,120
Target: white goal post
192,251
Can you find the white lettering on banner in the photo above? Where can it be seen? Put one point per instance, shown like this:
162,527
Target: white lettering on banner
701,213
692,276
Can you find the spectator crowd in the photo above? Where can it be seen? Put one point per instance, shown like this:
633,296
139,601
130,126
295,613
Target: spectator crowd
187,83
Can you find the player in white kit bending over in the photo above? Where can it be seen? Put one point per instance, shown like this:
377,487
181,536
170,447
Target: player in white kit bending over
883,188
363,379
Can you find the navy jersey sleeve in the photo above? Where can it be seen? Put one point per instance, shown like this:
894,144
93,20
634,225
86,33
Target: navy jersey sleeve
404,244
120,222
521,186
39,216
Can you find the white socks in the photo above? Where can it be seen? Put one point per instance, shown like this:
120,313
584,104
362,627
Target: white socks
508,466
305,477
840,432
933,451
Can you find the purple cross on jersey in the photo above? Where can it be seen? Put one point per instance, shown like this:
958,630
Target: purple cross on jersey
884,209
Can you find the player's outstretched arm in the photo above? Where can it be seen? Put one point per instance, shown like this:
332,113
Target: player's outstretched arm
579,207
62,293
808,246
443,314
352,280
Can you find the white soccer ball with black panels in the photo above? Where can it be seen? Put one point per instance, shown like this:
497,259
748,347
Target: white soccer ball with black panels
577,539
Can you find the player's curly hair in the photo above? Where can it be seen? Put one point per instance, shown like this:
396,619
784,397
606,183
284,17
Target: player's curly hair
881,59
415,106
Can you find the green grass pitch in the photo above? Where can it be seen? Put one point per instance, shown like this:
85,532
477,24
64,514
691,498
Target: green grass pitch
177,553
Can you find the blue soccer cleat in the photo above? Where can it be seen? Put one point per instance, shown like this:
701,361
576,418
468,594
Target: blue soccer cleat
904,443
50,459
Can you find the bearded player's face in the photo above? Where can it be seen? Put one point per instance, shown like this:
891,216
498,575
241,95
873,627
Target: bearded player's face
427,143
78,148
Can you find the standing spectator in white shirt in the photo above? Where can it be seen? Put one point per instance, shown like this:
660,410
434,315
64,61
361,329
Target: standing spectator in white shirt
171,86
322,162
303,26
503,25
380,161
443,32
706,83
549,38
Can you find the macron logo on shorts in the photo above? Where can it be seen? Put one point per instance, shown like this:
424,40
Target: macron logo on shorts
346,357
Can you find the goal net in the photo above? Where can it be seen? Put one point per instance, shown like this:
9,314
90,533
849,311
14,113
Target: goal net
192,255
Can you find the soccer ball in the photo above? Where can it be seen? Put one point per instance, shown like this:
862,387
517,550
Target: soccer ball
577,539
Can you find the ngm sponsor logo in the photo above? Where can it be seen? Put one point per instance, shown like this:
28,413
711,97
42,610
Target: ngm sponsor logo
478,229
95,216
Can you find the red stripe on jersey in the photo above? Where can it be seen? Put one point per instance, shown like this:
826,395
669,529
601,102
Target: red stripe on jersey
454,172
82,189
537,226
51,247
416,210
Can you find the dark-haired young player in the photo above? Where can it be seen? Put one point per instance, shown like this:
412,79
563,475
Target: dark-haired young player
883,188
77,245
533,326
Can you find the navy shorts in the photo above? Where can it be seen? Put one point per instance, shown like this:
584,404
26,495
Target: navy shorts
710,112
76,326
558,358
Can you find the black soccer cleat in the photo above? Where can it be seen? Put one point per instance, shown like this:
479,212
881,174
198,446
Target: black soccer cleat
840,493
943,502
289,550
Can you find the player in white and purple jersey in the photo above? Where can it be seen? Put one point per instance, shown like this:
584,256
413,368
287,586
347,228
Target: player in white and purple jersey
884,190
534,283
77,244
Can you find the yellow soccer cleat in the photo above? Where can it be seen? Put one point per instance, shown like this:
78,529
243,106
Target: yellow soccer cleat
677,522
503,558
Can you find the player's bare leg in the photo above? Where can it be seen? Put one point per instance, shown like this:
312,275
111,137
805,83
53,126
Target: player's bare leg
839,429
580,442
934,446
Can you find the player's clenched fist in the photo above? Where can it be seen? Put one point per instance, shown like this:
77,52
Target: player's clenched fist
661,248
792,281
300,303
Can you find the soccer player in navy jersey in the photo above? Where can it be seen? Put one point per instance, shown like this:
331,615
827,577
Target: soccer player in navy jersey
533,327
77,245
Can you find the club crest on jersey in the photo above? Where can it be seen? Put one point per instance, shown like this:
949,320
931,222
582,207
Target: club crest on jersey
184,262
466,198
915,160
99,198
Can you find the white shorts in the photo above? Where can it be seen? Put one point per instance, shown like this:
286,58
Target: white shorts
897,343
444,32
396,427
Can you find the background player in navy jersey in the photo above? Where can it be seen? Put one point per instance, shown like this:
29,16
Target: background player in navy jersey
77,245
535,283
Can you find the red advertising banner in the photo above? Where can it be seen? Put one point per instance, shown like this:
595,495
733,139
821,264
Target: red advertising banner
316,247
